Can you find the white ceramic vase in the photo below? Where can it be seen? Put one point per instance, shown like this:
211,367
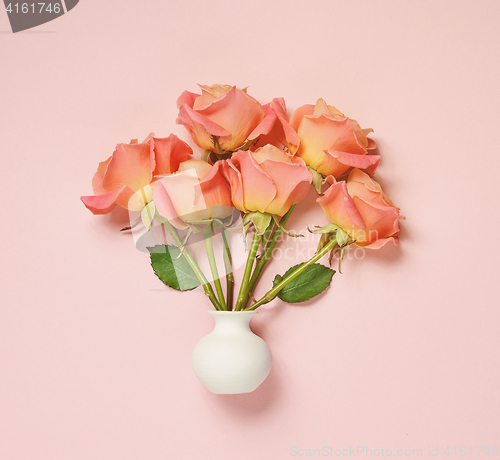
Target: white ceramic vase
231,359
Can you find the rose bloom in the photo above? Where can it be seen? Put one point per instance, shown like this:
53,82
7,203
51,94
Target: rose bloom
267,180
224,112
127,178
196,192
330,142
362,210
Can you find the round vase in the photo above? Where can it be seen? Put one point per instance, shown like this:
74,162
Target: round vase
231,359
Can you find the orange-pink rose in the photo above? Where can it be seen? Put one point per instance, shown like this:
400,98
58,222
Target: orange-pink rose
360,208
267,180
224,113
330,142
127,178
196,192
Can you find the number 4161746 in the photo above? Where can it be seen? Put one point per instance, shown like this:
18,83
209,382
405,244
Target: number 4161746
471,451
34,8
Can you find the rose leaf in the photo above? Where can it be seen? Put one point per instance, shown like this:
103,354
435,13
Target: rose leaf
174,271
313,281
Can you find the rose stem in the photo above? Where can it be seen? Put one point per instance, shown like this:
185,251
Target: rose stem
209,292
248,270
270,295
267,235
268,252
209,246
228,265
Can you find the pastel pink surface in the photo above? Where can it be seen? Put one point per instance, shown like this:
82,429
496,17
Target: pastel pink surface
402,352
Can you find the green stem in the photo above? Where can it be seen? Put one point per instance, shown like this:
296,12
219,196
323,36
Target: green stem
268,252
270,295
266,237
228,265
209,292
248,271
209,246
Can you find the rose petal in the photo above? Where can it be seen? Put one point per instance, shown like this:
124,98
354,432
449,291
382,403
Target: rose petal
286,133
381,242
233,176
181,190
192,199
169,153
201,128
281,132
371,144
322,108
359,176
359,189
381,221
371,169
257,187
266,125
319,134
130,165
339,207
216,193
270,152
336,163
101,204
200,168
372,185
292,182
236,112
165,207
298,114
148,138
135,201
103,165
187,98
349,138
209,94
316,136
97,184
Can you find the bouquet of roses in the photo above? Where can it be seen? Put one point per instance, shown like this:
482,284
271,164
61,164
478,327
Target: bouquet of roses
256,164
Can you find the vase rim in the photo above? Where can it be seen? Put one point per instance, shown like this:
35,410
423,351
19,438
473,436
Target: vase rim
222,313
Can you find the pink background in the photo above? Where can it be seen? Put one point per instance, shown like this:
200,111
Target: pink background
401,352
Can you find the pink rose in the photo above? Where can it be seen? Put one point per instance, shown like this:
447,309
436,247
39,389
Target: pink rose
330,142
196,192
362,210
223,117
267,180
127,177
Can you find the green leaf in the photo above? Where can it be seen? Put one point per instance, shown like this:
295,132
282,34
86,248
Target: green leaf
173,270
313,281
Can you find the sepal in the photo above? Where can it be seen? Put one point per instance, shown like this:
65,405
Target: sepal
148,215
317,180
260,220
